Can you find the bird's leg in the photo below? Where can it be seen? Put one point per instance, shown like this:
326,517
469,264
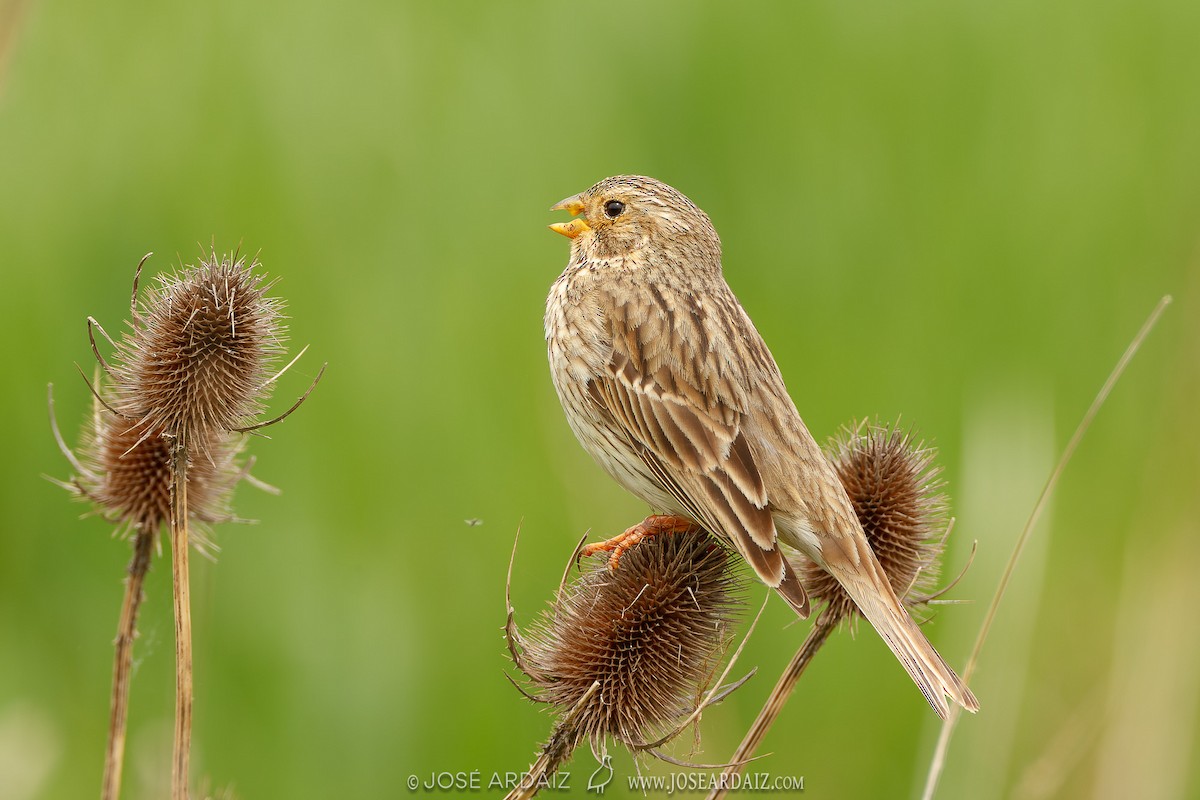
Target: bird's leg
650,526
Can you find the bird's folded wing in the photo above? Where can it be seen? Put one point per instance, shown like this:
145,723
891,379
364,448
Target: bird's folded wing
699,454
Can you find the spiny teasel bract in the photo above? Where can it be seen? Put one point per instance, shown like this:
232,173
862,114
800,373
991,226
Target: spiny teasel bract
894,488
197,359
650,632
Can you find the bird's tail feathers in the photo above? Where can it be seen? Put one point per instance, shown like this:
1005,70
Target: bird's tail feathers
920,659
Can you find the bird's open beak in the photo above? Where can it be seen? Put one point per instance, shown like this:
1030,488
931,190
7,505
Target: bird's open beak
576,226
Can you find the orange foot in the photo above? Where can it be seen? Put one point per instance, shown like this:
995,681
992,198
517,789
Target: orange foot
650,526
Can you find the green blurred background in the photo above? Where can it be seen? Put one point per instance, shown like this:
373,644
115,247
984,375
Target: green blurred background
956,214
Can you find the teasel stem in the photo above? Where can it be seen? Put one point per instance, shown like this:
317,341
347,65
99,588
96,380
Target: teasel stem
556,752
139,565
530,783
825,625
181,754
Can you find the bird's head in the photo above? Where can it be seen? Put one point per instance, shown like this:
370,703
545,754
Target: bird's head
625,215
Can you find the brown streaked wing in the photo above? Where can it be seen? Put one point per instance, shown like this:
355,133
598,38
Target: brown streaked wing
704,462
677,393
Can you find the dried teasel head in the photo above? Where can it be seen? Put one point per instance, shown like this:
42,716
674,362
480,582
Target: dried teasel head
126,475
893,485
626,653
198,359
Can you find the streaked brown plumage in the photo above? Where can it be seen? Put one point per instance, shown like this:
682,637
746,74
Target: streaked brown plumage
668,385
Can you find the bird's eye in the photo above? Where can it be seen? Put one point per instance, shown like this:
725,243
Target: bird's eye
613,208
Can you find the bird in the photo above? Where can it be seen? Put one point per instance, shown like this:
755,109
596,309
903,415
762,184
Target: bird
599,780
668,385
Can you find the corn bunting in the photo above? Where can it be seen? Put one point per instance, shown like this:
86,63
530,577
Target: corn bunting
668,385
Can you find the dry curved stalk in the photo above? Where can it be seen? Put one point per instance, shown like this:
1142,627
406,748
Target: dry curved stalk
938,762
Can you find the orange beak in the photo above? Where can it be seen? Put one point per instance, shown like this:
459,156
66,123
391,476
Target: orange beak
575,227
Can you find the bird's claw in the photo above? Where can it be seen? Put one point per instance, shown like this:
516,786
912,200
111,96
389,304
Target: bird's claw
618,545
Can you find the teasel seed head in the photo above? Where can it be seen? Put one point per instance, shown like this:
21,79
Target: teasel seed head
648,634
126,476
199,355
894,488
